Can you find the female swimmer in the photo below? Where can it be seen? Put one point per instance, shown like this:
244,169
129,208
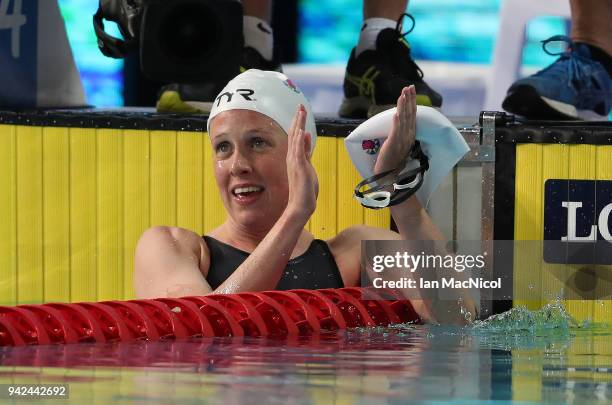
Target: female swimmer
263,134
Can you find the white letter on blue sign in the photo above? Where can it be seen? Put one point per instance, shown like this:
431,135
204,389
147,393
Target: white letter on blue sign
572,207
604,217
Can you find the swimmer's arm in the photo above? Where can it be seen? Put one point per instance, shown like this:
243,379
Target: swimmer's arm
173,262
414,223
346,247
265,265
170,262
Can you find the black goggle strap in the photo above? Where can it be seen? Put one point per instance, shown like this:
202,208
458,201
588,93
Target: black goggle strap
403,188
417,154
404,185
414,177
370,180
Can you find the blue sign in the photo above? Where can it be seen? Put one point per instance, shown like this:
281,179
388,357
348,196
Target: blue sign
18,52
578,221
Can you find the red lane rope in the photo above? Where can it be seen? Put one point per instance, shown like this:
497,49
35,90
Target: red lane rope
222,321
277,314
197,324
108,319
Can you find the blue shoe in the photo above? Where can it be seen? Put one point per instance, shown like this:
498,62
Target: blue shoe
573,87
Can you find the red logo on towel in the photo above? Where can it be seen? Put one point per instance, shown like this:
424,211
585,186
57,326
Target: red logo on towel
371,146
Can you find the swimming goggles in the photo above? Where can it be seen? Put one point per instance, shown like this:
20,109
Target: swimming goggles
405,183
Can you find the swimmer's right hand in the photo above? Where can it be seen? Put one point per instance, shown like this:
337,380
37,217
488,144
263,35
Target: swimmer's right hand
303,181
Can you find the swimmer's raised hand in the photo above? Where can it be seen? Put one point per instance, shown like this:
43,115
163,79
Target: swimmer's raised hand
303,181
401,135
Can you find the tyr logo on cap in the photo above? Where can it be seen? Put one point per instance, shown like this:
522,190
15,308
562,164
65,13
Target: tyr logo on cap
245,93
371,146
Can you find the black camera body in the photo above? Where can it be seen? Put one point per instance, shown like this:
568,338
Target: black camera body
179,40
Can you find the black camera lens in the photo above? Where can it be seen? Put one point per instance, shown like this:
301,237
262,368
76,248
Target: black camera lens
191,40
189,31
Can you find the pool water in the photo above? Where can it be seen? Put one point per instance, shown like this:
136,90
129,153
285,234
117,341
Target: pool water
518,357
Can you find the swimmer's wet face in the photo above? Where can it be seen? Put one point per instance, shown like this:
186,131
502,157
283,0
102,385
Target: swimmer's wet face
250,152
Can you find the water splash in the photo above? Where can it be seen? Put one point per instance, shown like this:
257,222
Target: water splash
553,317
399,330
550,320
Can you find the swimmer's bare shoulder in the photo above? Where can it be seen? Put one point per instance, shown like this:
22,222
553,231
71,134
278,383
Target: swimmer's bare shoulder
346,248
171,262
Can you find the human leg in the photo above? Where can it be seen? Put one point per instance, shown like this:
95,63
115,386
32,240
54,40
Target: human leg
377,16
579,83
261,9
258,34
257,53
592,23
381,64
390,9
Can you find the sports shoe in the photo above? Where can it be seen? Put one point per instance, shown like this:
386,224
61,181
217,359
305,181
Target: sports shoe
374,80
574,86
252,59
198,97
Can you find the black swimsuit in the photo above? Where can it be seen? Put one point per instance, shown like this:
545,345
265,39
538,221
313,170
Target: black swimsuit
314,269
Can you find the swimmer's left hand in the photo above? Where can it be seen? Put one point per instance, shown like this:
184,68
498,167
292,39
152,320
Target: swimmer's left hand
401,135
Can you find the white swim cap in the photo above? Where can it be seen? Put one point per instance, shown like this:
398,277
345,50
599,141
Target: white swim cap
270,93
440,141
